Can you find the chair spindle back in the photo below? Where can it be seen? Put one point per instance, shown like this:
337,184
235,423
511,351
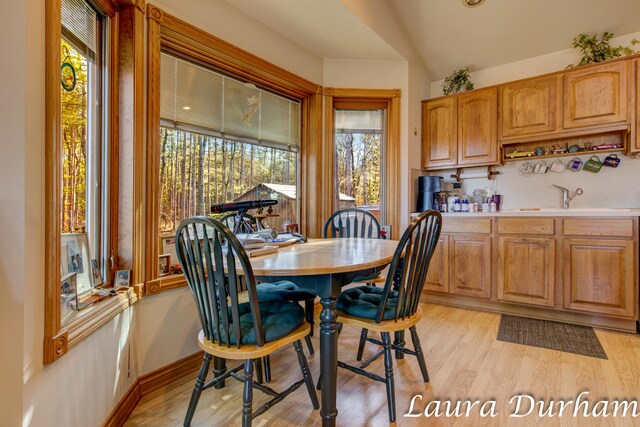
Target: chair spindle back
352,223
210,256
410,263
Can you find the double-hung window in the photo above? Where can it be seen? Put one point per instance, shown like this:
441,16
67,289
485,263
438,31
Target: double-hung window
224,140
83,177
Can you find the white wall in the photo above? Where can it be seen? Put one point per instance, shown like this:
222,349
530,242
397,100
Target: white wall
13,221
608,188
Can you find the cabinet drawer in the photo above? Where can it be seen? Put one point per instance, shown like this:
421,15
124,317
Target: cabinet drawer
459,225
620,227
535,226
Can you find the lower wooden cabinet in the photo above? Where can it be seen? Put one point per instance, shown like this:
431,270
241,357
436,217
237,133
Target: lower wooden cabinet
526,270
599,276
438,273
471,265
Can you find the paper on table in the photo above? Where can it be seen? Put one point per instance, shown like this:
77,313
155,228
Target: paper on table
263,251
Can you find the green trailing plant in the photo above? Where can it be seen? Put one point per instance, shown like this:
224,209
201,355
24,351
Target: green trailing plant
458,81
598,49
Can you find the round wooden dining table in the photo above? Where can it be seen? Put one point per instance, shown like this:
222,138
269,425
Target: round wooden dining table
326,265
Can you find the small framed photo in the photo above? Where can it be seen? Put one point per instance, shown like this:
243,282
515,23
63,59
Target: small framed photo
164,264
95,273
167,246
74,258
122,278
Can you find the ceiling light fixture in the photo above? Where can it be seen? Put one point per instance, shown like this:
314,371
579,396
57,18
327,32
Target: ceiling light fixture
186,108
472,3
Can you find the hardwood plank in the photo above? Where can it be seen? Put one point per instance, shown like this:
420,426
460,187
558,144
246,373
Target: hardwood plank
465,361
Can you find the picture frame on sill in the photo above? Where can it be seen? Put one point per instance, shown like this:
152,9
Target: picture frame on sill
167,246
164,264
68,296
96,274
75,258
121,278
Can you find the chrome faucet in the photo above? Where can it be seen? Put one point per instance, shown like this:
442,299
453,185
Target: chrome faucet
565,195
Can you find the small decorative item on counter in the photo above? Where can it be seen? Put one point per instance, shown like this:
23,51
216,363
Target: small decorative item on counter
541,167
497,199
574,165
611,161
539,151
556,149
493,207
593,164
485,206
587,146
573,149
557,166
547,151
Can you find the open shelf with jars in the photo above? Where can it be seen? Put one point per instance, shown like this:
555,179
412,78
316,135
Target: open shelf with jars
591,144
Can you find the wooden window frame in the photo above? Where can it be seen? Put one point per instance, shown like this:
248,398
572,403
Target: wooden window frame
389,99
57,338
168,33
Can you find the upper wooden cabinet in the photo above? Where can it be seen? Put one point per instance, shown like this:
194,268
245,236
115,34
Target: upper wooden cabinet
634,143
529,107
596,95
477,127
439,133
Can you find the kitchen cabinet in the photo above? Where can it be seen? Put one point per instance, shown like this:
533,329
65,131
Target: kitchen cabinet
438,274
439,133
526,270
529,107
634,140
599,276
460,130
596,95
471,265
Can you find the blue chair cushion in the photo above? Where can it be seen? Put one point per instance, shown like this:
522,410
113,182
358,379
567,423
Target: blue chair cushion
364,301
279,318
283,290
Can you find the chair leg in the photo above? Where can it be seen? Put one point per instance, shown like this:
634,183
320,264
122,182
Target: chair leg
197,389
259,376
307,339
363,341
308,313
266,368
388,375
247,395
306,375
419,354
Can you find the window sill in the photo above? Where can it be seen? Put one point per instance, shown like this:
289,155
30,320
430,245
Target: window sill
88,320
165,283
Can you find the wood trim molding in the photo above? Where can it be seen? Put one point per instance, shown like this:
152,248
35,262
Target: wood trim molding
170,33
151,382
54,347
391,98
53,181
139,4
311,190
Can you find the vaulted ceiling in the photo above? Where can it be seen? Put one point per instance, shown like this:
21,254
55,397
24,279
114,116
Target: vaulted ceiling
444,33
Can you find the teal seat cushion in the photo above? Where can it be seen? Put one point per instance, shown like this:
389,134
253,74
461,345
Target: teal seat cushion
364,301
279,318
367,277
283,290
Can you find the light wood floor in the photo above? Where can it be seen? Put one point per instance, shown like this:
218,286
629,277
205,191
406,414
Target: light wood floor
465,362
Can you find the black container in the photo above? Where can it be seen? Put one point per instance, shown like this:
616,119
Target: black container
428,186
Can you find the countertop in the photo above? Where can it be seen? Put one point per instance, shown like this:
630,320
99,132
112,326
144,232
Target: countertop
590,212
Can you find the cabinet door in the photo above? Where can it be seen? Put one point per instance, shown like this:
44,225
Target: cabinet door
596,95
477,127
526,270
528,107
439,133
471,265
634,141
438,273
599,276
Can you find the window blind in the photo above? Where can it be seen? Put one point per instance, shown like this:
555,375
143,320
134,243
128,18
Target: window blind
79,25
198,99
358,121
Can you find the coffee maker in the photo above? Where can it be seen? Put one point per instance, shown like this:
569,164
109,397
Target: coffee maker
428,187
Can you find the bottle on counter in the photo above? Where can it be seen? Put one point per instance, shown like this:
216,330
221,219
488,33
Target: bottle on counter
456,205
464,205
493,207
485,206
